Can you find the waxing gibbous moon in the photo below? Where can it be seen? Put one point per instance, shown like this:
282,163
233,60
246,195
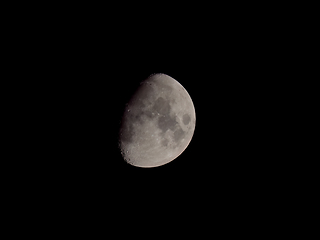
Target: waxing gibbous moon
158,122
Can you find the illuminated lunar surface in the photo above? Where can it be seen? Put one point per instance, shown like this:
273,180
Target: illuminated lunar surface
158,122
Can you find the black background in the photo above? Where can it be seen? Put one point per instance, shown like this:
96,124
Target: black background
85,65
228,69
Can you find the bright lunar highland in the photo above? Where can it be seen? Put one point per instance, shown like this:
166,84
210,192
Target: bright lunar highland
158,122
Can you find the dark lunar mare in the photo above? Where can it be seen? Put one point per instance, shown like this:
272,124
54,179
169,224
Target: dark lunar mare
186,119
162,106
178,134
165,142
166,122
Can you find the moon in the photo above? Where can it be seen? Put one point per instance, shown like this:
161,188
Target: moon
158,122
